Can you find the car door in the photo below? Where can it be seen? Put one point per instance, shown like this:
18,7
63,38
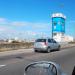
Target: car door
55,44
50,43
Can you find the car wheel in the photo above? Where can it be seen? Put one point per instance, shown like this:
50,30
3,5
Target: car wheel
35,50
49,50
58,48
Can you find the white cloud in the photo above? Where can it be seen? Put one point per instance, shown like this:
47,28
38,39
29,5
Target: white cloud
12,28
6,29
2,20
3,29
17,23
41,25
30,24
32,33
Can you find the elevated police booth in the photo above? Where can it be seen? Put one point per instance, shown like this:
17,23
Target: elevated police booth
58,26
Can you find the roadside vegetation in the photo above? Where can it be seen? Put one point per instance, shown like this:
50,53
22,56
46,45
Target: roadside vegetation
15,45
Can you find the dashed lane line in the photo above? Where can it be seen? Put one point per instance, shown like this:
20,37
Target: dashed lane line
2,66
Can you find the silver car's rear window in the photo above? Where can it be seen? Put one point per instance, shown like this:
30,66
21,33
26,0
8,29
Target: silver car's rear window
41,40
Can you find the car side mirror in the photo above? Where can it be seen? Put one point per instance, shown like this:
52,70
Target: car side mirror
42,68
73,73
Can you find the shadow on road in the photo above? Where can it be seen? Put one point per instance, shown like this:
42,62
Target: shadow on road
46,51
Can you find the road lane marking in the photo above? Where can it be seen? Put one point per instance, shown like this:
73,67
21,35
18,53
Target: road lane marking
2,66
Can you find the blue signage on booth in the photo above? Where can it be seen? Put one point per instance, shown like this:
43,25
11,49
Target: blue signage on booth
58,24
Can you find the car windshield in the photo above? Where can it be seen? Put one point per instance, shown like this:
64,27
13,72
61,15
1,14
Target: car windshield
36,30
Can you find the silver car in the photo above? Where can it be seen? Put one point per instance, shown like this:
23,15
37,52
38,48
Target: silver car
46,44
43,68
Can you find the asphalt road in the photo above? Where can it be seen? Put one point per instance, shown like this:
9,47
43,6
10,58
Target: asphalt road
14,65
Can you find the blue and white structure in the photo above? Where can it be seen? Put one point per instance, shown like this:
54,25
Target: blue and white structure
58,26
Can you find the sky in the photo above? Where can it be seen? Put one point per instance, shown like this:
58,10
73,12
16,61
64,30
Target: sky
32,18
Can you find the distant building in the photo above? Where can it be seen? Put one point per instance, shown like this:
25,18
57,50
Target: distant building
68,38
2,41
10,40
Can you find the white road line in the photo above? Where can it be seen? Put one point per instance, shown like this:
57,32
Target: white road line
2,66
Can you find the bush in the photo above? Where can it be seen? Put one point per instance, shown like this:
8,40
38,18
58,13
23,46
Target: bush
15,42
72,42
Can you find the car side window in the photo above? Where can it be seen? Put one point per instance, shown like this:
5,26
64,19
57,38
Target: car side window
54,41
49,40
